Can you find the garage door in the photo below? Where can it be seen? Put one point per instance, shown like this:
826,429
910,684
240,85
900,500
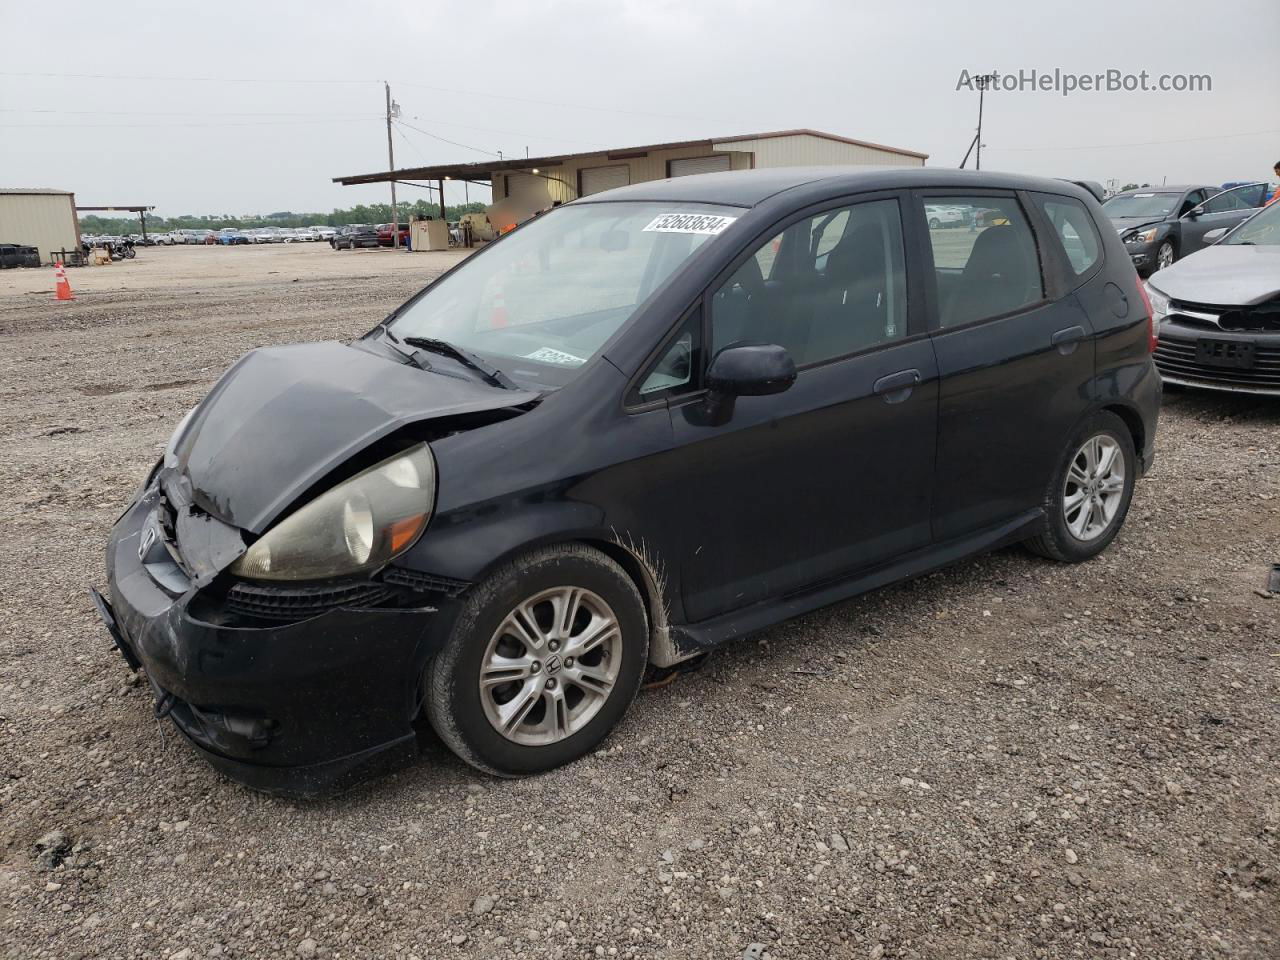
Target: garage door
692,165
526,186
599,179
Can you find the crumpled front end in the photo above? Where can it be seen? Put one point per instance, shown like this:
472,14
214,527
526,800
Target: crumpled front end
293,690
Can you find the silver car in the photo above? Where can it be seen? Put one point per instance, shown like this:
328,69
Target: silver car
1218,311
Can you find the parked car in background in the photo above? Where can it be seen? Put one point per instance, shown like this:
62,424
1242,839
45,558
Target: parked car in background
1160,224
233,237
354,236
386,235
1218,311
264,235
944,216
292,235
493,515
323,232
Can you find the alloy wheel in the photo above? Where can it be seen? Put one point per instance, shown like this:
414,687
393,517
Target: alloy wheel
1164,256
1094,487
550,666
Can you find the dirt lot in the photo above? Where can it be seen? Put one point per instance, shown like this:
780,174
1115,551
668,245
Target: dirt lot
1010,759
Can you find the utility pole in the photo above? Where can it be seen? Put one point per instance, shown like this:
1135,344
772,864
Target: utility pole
393,110
984,81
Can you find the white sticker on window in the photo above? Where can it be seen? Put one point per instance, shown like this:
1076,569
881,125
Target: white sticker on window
549,355
700,223
1144,194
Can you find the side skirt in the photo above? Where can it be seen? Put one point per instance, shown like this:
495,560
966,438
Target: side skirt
693,638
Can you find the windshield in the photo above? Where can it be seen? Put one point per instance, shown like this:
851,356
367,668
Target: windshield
1149,205
1262,229
543,301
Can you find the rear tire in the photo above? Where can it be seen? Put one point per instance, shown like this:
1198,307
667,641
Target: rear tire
1089,494
507,693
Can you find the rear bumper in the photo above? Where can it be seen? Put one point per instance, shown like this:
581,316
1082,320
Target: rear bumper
297,709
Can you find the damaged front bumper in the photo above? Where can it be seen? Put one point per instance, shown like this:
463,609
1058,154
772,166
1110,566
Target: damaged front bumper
293,708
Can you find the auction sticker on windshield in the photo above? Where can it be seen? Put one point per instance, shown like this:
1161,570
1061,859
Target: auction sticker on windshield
700,223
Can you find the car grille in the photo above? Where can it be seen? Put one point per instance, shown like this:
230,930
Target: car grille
298,603
424,582
1177,359
1259,318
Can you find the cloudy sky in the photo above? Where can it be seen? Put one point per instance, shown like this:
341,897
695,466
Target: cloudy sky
239,107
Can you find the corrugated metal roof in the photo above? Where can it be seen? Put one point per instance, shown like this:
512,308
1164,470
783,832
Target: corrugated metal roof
485,168
29,191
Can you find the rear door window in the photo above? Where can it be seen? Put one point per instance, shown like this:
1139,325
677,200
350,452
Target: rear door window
985,258
1075,231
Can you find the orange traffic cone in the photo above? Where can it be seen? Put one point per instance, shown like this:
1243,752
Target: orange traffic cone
63,291
498,316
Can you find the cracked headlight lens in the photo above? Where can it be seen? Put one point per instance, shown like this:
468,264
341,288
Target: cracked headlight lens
356,527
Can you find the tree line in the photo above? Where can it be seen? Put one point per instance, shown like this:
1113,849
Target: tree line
361,213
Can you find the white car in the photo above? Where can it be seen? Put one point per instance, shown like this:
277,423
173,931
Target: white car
941,215
265,235
293,235
324,233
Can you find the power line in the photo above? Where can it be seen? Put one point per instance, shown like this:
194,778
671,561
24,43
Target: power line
1144,143
178,113
433,136
166,126
154,79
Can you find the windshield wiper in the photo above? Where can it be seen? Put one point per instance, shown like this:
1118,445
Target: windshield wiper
487,371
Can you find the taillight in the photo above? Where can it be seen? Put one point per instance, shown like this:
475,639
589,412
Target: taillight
1152,334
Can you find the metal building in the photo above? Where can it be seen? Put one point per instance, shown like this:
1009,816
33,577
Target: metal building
45,219
523,186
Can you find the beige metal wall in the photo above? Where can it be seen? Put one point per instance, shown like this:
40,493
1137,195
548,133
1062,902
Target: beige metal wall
43,220
650,167
805,150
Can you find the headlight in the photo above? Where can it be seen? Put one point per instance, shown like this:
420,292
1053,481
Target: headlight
1159,303
357,526
1142,236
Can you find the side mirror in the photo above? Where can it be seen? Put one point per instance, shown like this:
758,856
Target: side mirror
751,370
1213,236
1193,213
742,370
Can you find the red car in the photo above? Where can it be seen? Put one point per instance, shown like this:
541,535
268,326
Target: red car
384,234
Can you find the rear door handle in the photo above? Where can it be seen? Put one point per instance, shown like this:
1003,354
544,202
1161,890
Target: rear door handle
1067,340
896,387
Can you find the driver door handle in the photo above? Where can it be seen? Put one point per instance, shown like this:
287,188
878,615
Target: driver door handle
896,387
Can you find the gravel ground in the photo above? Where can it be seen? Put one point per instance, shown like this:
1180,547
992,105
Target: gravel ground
1009,759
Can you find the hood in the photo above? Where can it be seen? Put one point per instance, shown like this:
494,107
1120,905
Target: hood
1128,223
284,417
1230,275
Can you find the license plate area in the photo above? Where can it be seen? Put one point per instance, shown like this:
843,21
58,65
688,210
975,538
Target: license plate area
1238,354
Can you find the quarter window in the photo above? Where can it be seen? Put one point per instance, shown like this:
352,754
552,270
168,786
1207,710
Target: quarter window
828,286
1075,230
984,257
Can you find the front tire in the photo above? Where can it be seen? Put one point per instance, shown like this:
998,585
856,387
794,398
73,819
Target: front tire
1165,255
1090,492
544,659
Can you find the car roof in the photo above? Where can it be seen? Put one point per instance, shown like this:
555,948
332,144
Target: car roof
747,188
1168,188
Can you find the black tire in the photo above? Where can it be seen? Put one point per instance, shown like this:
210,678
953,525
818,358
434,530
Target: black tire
1166,245
934,223
451,684
1056,541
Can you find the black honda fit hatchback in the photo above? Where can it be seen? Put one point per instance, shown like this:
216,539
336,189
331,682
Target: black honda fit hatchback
644,423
